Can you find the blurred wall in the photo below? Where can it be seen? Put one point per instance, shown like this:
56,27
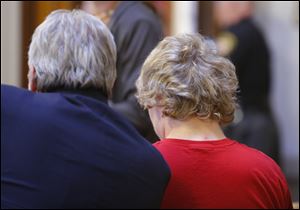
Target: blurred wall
184,16
11,47
280,24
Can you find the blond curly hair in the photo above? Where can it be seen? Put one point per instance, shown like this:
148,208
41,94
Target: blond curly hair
185,75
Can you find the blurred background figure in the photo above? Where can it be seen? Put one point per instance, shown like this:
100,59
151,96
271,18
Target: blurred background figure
137,30
242,41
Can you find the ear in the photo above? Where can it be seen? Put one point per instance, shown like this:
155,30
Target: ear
158,120
32,80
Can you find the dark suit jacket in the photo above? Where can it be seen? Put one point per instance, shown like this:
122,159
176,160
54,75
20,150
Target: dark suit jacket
137,30
252,61
68,149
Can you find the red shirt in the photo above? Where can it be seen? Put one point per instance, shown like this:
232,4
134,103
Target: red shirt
221,174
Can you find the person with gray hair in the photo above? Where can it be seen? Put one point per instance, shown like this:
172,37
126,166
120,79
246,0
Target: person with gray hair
190,92
72,50
62,146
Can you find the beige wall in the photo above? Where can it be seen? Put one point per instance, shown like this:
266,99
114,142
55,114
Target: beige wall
184,17
11,42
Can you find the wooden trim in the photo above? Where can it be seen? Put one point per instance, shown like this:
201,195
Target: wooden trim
28,19
206,23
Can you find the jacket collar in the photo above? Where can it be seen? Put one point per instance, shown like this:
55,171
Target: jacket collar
97,94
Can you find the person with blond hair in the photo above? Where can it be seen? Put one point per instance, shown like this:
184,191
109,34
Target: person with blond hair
190,92
62,146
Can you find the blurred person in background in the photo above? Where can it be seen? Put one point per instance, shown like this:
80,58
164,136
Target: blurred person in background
243,43
137,30
62,146
190,91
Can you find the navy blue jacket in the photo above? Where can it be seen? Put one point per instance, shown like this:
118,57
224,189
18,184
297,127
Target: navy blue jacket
68,149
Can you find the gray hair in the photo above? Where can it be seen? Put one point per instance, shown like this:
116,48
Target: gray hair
185,75
72,49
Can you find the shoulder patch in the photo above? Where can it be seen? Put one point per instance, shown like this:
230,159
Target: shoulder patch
226,43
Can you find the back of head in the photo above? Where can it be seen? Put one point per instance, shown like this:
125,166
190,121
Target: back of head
185,75
73,50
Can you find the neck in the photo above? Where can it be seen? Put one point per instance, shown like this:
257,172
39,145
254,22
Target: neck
193,129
